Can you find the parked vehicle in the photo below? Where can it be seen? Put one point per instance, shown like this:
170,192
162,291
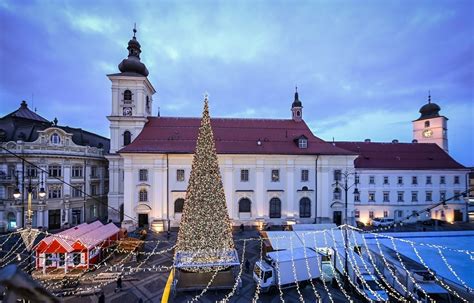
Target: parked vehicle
364,278
285,268
424,290
382,222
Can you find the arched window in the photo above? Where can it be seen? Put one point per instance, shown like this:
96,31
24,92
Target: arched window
178,205
244,205
305,208
143,195
55,139
275,208
427,123
148,109
127,138
127,95
337,194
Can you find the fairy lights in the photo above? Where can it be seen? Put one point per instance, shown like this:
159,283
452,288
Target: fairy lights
205,231
469,289
294,271
446,286
308,270
355,268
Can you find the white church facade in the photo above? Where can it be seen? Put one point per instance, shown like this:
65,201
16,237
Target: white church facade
274,171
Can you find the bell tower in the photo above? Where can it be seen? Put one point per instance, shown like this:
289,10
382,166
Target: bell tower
132,100
431,127
297,108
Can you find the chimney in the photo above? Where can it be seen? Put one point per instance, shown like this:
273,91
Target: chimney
414,141
394,141
367,140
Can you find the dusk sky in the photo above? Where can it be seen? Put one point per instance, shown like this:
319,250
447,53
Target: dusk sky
363,68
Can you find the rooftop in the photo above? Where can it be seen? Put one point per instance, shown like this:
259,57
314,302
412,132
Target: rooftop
232,136
378,155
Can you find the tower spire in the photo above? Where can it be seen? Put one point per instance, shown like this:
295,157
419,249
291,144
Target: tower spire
134,30
429,96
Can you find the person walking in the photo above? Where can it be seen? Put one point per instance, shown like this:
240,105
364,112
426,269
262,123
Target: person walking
242,228
119,284
247,266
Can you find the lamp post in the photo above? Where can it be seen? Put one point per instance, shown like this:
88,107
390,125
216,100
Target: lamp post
346,186
28,234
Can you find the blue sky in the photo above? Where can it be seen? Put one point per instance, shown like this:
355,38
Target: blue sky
363,68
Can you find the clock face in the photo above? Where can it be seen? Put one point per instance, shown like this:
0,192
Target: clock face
127,111
427,133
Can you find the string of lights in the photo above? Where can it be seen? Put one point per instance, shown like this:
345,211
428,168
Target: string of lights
294,271
257,288
196,298
308,270
393,292
238,280
355,269
469,289
410,276
334,272
277,268
446,286
387,265
390,290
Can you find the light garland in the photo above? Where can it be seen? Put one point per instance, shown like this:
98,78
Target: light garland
196,298
205,231
316,294
238,279
390,290
410,276
321,270
257,288
355,269
334,272
294,271
469,289
393,291
447,287
277,268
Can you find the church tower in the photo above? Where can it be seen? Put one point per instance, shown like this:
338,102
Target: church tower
131,105
430,127
297,108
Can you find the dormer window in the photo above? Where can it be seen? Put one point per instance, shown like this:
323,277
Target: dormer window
427,123
55,139
127,96
302,142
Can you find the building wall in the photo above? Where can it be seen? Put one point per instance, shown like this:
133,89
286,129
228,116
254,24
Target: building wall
164,189
407,206
73,208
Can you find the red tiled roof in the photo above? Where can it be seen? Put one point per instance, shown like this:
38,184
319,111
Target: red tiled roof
423,156
232,136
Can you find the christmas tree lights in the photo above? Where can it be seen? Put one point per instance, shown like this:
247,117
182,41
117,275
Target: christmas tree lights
205,232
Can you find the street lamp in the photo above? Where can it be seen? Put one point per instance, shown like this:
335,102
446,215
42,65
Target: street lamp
346,186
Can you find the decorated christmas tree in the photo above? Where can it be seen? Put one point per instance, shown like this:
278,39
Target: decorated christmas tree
205,232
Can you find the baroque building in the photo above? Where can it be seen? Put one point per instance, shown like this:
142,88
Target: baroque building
274,171
38,154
